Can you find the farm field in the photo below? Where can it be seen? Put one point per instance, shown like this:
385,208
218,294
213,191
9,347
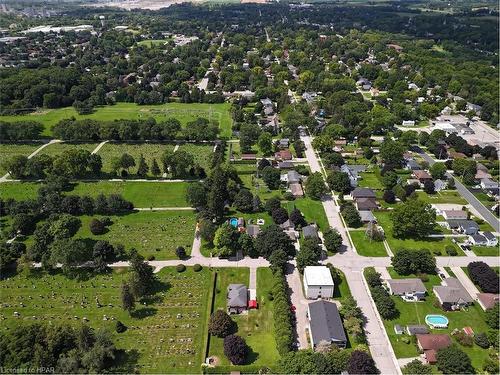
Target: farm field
149,151
157,340
256,326
152,233
435,245
141,194
58,148
202,153
365,247
415,312
9,150
184,112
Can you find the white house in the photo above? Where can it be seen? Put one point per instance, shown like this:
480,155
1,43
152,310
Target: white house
318,282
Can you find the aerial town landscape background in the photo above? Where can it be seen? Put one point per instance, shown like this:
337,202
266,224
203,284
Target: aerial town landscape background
249,187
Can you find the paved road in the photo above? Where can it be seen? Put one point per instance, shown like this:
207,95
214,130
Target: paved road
467,195
99,146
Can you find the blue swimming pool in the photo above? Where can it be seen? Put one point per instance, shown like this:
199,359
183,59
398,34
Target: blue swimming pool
234,222
437,321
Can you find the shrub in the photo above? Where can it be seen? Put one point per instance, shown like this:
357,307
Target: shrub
405,339
463,339
235,349
221,324
97,227
385,304
389,196
151,257
361,362
180,268
492,316
484,276
423,276
288,196
481,340
372,278
451,251
120,327
197,267
180,252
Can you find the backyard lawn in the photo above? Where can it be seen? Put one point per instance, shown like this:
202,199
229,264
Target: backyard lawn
256,326
435,245
415,312
184,112
312,210
9,150
158,339
365,247
370,180
446,196
152,233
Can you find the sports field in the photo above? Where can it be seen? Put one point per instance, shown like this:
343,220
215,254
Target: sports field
184,112
165,334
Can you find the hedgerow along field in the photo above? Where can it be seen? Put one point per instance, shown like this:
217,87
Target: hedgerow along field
166,333
184,112
152,233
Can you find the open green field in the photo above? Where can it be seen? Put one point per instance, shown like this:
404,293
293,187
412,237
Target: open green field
153,42
9,150
365,247
415,312
256,326
141,194
432,244
246,172
156,341
184,112
152,233
149,151
202,153
58,148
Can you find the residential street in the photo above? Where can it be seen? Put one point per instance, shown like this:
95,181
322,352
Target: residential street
468,196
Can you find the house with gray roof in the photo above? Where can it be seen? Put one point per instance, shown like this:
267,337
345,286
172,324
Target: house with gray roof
237,298
363,193
468,227
325,324
293,177
310,231
408,289
452,295
253,230
353,172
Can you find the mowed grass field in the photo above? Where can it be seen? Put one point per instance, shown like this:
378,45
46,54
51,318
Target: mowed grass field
433,244
152,233
202,153
149,151
141,194
415,312
184,112
256,326
156,341
7,151
55,149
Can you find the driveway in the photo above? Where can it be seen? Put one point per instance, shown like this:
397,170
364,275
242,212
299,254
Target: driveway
300,302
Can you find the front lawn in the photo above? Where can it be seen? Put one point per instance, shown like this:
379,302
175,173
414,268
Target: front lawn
256,326
486,250
152,233
165,334
365,246
415,312
435,245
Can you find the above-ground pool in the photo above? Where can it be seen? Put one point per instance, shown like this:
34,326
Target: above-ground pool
436,321
234,222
